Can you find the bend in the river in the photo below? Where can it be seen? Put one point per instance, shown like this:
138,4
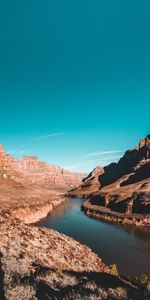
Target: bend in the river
127,247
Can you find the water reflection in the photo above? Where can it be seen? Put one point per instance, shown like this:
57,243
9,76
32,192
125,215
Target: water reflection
58,212
142,234
127,246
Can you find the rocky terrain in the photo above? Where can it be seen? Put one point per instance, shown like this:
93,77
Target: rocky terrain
42,264
90,184
30,188
122,187
31,170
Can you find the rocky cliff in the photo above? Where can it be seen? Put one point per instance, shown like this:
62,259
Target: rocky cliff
32,170
124,186
90,184
31,187
42,264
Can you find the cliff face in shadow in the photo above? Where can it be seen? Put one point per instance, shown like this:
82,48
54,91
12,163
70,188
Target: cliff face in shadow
89,185
122,186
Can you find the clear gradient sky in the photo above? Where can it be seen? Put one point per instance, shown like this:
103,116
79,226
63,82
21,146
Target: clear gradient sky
74,79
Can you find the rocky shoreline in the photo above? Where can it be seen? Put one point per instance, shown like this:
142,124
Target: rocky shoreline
34,213
105,214
41,264
120,191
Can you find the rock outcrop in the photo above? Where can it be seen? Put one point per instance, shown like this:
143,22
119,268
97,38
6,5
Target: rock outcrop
42,264
90,184
7,170
32,170
122,187
32,188
39,172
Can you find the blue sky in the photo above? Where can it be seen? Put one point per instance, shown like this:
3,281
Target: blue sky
74,79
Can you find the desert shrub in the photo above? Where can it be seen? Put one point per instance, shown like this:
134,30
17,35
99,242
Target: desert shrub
144,281
113,270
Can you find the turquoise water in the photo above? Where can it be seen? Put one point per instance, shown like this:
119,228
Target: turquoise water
127,247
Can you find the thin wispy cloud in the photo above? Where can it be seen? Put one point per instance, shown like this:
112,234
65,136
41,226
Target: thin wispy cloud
90,164
48,135
99,153
78,165
105,160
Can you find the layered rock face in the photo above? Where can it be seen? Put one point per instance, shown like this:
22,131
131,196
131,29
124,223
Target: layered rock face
123,186
7,171
30,186
31,170
90,184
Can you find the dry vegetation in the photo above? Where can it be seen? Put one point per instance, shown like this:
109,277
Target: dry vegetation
42,264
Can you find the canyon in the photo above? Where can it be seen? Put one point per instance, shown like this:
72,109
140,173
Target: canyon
31,170
31,188
120,191
37,263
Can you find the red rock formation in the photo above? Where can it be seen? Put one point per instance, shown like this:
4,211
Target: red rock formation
7,171
123,186
22,180
33,170
90,184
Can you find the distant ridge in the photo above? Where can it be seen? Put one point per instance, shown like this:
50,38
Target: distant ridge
30,178
33,170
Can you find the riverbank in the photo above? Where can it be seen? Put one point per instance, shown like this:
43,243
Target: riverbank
38,263
34,213
126,246
30,207
105,214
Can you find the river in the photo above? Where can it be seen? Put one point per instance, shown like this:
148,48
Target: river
127,247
